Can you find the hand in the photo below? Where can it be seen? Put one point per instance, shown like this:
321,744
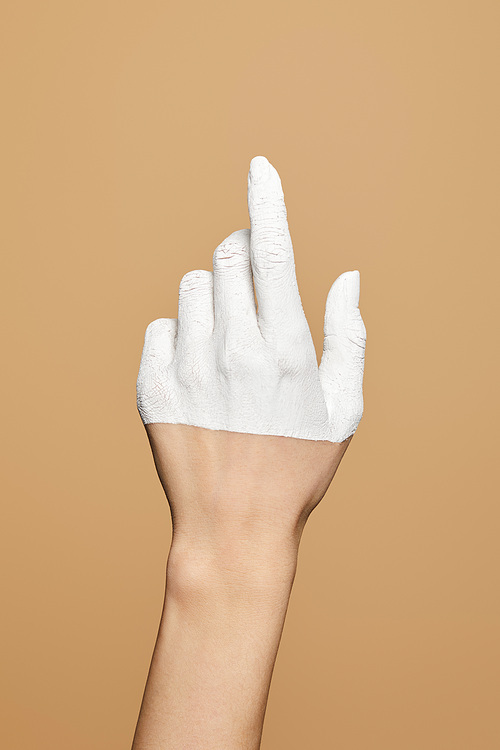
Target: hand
246,433
244,426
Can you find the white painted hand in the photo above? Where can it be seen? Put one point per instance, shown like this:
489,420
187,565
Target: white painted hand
224,365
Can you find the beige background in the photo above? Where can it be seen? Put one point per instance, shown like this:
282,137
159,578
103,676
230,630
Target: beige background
128,128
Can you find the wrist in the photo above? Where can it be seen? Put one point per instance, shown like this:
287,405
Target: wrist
233,566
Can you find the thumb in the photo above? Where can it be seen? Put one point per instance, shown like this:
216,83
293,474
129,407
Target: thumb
342,363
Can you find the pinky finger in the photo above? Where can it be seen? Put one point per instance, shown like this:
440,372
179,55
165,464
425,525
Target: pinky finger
157,354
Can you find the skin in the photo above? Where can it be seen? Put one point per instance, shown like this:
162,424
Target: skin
239,502
241,362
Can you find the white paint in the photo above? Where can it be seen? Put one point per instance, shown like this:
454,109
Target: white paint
224,366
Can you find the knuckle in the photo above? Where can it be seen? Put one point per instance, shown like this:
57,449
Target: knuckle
356,414
193,280
238,359
291,364
155,326
232,251
295,352
191,371
272,252
159,338
229,360
152,391
356,336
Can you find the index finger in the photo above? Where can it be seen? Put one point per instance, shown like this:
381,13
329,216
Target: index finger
271,250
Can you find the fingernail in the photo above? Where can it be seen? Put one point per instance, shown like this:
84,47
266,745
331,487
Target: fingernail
259,169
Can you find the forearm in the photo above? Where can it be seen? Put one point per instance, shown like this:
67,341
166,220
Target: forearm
217,643
247,433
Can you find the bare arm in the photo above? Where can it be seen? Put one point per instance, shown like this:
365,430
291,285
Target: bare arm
239,497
